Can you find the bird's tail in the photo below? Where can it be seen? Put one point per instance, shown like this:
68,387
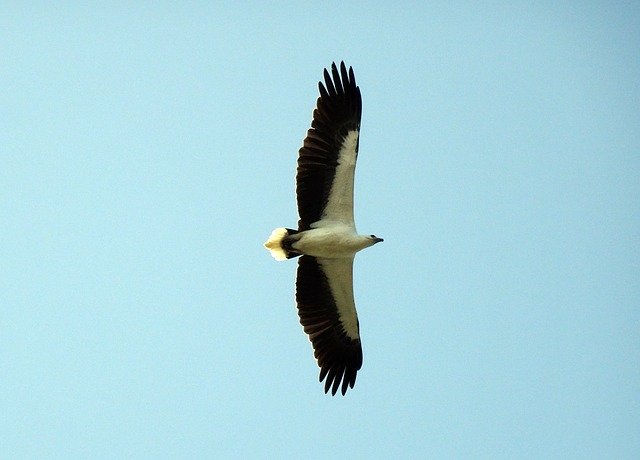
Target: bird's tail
280,245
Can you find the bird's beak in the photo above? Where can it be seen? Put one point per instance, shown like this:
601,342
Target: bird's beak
379,240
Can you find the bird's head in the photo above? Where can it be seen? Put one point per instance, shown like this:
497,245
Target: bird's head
374,239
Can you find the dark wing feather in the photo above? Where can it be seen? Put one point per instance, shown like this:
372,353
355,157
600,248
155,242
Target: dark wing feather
338,111
339,356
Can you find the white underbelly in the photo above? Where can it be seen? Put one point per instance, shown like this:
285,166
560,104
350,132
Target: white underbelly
328,243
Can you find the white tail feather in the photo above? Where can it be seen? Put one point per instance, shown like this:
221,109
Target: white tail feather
274,244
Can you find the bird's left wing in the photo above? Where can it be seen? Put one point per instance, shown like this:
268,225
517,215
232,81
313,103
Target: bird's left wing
324,293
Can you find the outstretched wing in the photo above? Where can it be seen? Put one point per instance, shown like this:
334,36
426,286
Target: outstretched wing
327,159
324,293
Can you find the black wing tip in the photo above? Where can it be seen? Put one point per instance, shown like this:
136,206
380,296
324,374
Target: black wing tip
342,79
343,69
340,377
340,98
338,82
341,372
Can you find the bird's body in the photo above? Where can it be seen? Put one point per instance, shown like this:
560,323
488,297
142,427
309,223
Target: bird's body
333,241
326,237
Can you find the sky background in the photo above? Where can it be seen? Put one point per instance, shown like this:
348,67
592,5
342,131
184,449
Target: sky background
148,150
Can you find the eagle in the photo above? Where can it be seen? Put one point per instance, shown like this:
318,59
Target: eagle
326,238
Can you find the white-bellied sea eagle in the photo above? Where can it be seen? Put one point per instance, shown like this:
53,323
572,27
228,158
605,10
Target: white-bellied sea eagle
326,238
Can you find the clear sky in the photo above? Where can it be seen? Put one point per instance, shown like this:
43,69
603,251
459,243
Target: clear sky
148,151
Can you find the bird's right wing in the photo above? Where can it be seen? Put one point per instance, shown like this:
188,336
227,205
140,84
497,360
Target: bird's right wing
327,159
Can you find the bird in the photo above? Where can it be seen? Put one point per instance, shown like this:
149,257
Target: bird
326,239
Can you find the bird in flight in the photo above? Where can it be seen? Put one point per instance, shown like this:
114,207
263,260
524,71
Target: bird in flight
326,238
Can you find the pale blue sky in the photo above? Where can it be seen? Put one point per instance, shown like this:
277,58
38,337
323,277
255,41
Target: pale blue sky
148,151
